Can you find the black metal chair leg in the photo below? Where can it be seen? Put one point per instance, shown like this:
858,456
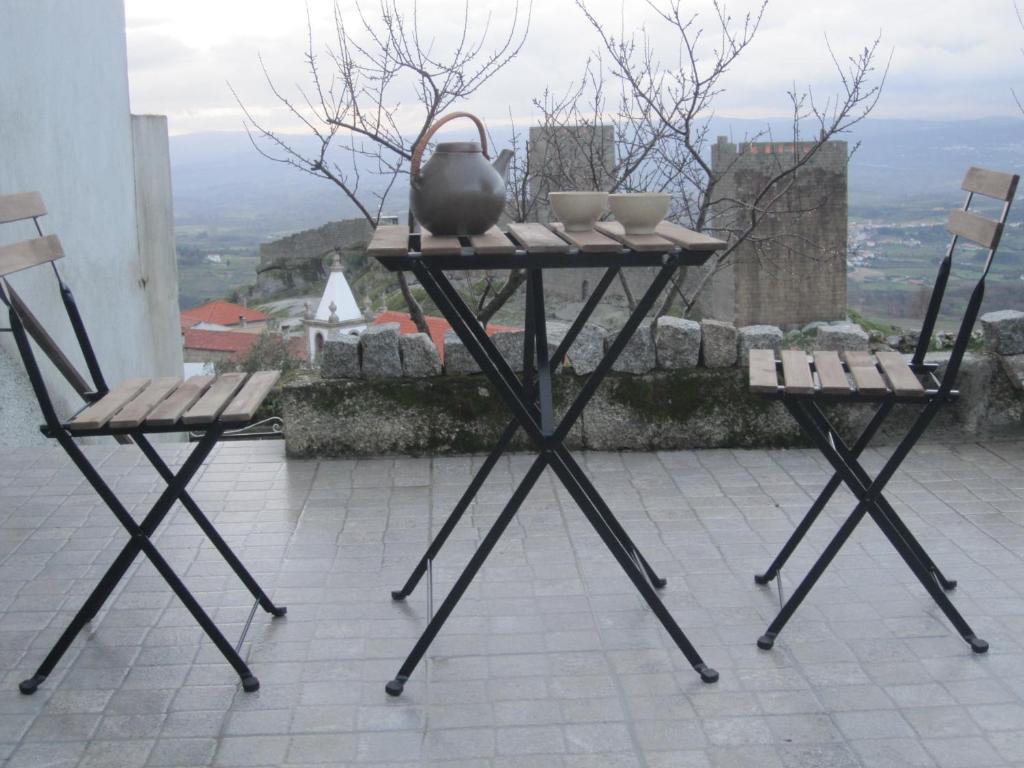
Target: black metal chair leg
928,582
211,533
872,427
850,458
397,685
140,541
767,640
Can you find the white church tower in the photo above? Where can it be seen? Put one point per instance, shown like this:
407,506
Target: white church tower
336,313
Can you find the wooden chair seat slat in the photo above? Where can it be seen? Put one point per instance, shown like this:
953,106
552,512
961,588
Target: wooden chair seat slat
248,400
763,377
865,374
29,253
977,229
830,372
174,406
215,399
590,241
652,242
537,238
797,372
1001,186
492,242
901,378
133,414
689,239
100,412
439,245
389,240
21,206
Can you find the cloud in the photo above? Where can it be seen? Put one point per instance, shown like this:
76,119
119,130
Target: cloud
951,58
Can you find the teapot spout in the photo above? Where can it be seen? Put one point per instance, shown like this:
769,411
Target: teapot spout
501,162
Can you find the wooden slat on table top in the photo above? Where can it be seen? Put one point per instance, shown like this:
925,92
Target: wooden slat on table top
689,239
439,245
616,231
100,412
762,371
865,374
589,241
22,205
830,373
246,402
492,242
797,372
978,229
170,410
1001,186
215,399
537,238
389,240
133,414
29,253
901,378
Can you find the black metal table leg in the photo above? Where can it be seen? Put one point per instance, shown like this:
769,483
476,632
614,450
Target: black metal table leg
536,417
395,686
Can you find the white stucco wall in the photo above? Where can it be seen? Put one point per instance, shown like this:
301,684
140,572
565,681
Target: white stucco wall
67,132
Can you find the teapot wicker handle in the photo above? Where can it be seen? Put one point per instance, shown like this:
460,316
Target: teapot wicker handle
421,145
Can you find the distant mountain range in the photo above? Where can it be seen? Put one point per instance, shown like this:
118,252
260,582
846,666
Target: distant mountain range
223,186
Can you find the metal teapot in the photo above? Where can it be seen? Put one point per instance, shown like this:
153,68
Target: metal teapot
457,192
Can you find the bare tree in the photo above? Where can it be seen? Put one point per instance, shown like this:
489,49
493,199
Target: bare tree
661,112
354,104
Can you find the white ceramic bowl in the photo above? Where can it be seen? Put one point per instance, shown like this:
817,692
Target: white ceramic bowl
639,212
578,210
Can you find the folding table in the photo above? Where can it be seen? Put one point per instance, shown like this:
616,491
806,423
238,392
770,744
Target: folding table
536,248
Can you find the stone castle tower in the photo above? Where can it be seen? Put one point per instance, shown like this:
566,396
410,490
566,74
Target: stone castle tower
794,270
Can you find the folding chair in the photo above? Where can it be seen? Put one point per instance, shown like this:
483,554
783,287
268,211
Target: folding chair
886,379
128,412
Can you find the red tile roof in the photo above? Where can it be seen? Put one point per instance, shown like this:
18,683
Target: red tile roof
235,342
220,313
438,326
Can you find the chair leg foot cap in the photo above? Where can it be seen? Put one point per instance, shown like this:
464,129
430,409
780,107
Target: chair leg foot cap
28,687
763,578
398,595
396,686
277,613
766,641
250,683
658,582
707,674
977,644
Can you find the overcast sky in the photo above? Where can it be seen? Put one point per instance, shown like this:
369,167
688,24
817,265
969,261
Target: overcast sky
950,58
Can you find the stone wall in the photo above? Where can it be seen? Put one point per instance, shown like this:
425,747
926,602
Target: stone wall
298,262
794,271
678,385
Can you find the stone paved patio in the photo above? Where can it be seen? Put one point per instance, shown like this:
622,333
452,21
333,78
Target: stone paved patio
551,659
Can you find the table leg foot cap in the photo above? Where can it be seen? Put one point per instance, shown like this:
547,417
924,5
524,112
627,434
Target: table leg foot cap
763,578
250,683
396,686
658,582
947,584
766,641
398,595
977,644
29,686
707,674
277,613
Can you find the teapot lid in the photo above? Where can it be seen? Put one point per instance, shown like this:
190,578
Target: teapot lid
458,146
